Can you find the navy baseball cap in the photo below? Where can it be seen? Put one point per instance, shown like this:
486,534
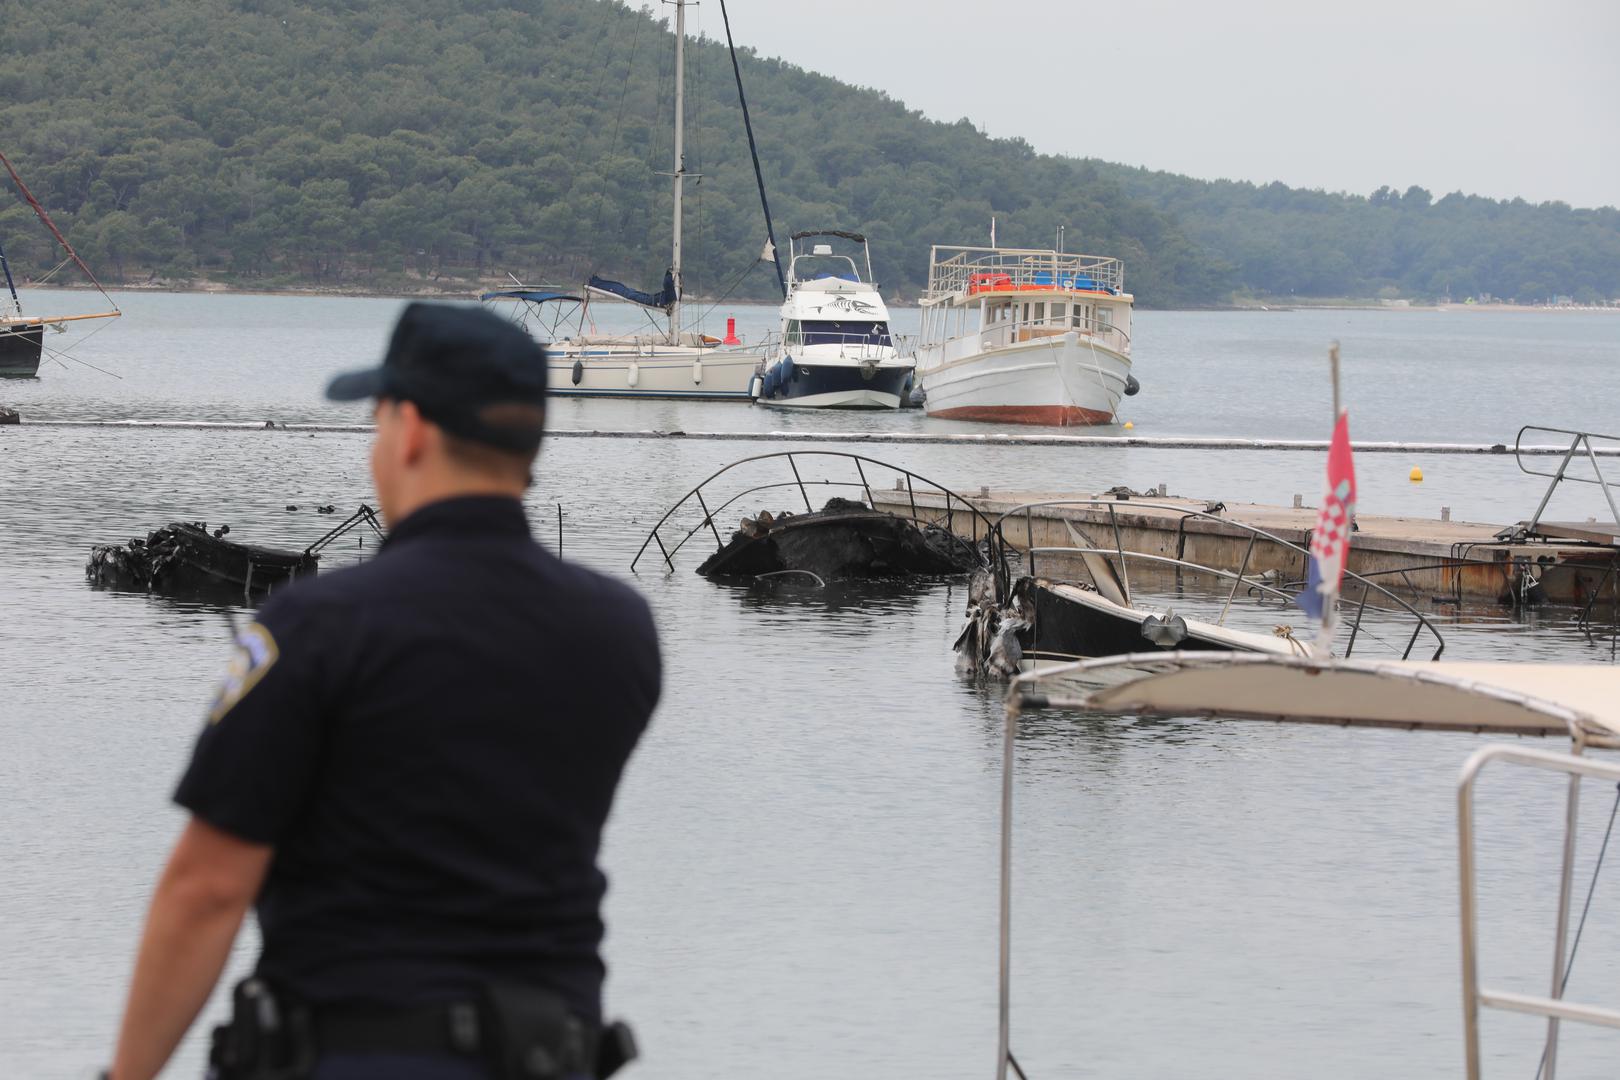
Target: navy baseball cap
460,366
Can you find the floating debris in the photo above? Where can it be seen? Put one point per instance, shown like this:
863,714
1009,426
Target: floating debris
9,415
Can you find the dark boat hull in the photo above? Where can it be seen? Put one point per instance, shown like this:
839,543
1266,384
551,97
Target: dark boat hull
807,385
1067,628
844,540
20,350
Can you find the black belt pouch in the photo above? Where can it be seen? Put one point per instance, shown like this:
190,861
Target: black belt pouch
536,1036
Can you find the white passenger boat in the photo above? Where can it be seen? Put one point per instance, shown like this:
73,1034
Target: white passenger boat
835,350
666,361
1025,336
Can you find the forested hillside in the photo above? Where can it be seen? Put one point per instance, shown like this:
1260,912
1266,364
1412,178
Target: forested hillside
383,143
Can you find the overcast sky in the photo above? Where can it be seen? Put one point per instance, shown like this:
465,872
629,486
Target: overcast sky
1496,98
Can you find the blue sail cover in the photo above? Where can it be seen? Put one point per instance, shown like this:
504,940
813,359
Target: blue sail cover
533,296
661,299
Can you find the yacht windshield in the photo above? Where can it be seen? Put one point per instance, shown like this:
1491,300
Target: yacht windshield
813,267
843,332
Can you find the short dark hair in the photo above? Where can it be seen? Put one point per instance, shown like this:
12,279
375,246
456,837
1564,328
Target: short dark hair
498,461
484,458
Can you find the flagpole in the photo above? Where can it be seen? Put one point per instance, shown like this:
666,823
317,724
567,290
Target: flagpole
1323,648
1333,363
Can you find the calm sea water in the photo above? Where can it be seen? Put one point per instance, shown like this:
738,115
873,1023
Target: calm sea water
803,854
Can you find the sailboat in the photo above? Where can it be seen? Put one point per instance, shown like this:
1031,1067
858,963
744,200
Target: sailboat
672,362
22,336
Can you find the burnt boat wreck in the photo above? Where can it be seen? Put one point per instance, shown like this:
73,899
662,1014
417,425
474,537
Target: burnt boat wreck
1039,605
186,557
846,539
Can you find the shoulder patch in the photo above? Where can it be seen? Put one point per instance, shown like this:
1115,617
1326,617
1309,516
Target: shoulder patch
255,654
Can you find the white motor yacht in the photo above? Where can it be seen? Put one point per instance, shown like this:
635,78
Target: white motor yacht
835,350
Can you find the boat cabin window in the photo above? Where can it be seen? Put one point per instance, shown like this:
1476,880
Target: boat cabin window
1105,318
1040,311
844,332
814,267
1059,310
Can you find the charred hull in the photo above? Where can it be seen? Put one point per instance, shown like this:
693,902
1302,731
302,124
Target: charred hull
1073,623
184,557
843,540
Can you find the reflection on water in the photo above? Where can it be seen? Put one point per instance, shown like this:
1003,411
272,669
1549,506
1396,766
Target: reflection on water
803,854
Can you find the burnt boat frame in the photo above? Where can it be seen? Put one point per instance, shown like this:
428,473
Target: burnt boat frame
1003,553
912,480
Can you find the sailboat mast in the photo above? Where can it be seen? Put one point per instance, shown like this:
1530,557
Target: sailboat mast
16,302
680,165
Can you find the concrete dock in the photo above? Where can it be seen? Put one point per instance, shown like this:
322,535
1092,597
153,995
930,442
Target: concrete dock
1456,561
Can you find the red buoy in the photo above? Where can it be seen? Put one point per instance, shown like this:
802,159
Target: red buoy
731,333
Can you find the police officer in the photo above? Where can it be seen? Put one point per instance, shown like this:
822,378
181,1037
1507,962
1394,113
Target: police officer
408,768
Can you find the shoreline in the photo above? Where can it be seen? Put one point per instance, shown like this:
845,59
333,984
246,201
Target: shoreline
218,288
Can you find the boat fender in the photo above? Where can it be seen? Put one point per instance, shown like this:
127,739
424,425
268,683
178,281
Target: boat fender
769,384
1131,386
1167,632
756,386
697,370
789,372
632,374
578,373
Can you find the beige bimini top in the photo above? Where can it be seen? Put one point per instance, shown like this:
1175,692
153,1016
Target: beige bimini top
1578,700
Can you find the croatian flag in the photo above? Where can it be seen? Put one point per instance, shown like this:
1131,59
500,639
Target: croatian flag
1330,544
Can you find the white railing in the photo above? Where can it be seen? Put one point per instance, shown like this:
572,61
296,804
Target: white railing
957,272
1554,1008
849,346
1013,330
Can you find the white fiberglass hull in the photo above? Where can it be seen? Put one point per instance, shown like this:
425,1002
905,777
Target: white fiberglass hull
660,372
1064,380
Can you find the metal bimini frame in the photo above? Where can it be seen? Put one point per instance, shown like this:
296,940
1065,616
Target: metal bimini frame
906,480
365,515
1022,696
1003,551
1579,440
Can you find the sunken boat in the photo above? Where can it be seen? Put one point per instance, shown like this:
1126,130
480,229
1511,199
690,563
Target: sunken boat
1074,601
186,558
845,539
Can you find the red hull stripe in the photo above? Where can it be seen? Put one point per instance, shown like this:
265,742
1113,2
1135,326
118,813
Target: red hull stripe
1050,415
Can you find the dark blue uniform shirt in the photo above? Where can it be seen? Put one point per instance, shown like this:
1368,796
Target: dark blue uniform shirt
431,742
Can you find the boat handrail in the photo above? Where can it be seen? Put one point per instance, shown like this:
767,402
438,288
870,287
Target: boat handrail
906,480
1552,1007
1001,547
1578,441
970,271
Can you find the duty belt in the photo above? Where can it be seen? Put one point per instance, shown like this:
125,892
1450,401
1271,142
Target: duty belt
454,1028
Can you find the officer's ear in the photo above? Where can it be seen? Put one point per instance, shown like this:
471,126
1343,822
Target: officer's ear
414,435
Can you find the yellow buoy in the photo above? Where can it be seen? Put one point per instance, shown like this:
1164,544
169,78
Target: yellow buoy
1129,425
1416,475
